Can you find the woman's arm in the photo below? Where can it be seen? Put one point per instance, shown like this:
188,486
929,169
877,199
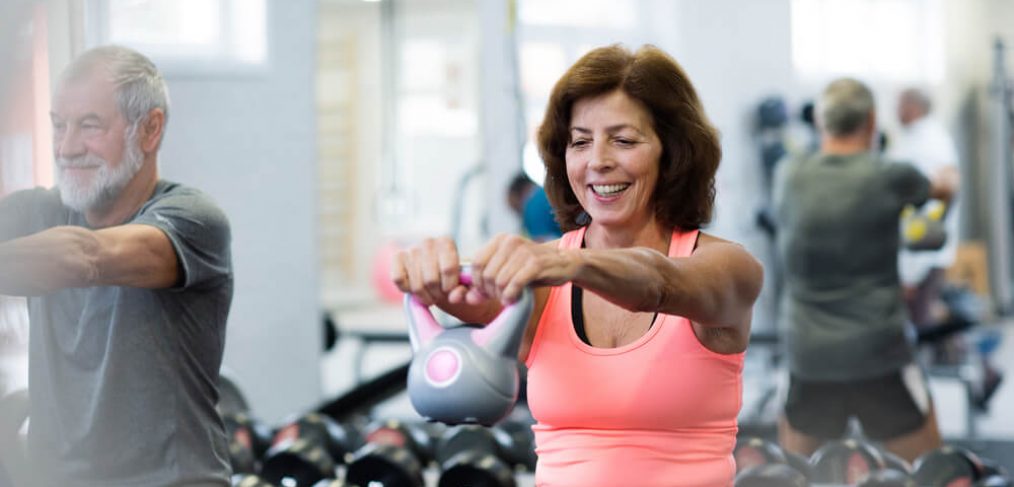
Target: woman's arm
715,287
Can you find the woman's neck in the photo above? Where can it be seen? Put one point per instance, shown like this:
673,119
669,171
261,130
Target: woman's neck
651,235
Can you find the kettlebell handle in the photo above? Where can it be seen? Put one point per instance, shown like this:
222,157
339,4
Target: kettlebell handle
423,327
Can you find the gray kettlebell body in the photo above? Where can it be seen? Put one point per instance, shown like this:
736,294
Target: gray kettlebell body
465,374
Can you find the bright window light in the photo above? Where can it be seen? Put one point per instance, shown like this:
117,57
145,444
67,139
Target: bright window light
217,34
894,40
612,14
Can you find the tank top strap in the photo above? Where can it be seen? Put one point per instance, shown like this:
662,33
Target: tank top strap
683,242
572,239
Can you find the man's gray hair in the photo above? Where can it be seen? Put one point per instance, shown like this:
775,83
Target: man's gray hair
844,107
919,98
140,87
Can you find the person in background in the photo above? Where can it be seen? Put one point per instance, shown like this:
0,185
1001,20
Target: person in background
924,142
529,201
129,283
838,212
636,342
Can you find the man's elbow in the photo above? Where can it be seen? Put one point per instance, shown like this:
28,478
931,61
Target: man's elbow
81,264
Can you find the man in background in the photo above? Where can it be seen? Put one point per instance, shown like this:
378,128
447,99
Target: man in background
924,142
849,356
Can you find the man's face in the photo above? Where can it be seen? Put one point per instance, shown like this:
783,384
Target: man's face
909,110
96,153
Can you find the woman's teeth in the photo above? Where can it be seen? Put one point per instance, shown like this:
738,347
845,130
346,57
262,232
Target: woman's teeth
608,189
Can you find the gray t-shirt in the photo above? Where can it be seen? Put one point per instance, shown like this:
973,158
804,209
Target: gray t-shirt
838,243
123,380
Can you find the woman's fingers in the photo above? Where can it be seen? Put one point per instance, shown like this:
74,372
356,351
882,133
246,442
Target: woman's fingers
448,264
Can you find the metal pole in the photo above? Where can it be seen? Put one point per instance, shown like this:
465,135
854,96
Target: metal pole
1000,236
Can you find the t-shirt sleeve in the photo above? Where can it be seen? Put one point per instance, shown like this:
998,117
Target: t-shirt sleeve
911,186
17,211
199,232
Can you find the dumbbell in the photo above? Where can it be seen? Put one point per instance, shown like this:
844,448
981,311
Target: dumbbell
754,451
249,440
249,480
473,455
770,475
888,477
923,229
949,464
519,449
395,455
307,450
751,451
895,473
847,461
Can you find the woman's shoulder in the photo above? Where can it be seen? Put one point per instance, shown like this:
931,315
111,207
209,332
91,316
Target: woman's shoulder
718,245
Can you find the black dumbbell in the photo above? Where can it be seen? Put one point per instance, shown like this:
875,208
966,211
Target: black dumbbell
395,455
894,462
249,480
298,463
888,477
333,483
339,440
518,445
248,441
754,451
949,464
307,450
946,465
771,475
474,455
800,463
248,430
994,475
845,462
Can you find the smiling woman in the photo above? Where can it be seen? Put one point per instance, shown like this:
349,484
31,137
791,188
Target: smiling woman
662,106
633,288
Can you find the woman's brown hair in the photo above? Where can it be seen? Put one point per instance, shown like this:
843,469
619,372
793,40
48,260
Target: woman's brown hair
685,193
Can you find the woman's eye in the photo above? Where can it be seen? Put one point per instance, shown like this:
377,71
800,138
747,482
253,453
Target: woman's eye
579,143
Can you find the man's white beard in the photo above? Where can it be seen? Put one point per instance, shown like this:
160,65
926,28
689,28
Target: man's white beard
106,184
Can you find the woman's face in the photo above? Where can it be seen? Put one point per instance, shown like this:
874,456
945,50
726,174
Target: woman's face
613,159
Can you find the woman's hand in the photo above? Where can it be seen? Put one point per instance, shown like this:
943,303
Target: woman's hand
508,263
430,271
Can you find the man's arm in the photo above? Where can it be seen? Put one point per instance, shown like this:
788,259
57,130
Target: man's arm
944,183
73,257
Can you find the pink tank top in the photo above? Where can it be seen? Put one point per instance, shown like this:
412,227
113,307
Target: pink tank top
660,411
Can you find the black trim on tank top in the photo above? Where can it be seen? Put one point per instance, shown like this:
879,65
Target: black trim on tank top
577,311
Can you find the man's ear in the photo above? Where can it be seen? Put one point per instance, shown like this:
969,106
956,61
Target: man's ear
871,123
151,130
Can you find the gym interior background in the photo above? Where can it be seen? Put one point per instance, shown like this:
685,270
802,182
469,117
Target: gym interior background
333,131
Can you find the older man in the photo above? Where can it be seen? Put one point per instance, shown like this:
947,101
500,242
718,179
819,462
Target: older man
838,211
924,142
129,280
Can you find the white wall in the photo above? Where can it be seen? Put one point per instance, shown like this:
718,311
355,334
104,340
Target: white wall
736,53
248,141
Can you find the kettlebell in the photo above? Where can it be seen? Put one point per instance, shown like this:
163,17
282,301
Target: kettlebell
465,374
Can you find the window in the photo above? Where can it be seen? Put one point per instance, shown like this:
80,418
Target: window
185,35
891,40
552,34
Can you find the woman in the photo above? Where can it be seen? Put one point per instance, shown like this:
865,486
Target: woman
635,345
